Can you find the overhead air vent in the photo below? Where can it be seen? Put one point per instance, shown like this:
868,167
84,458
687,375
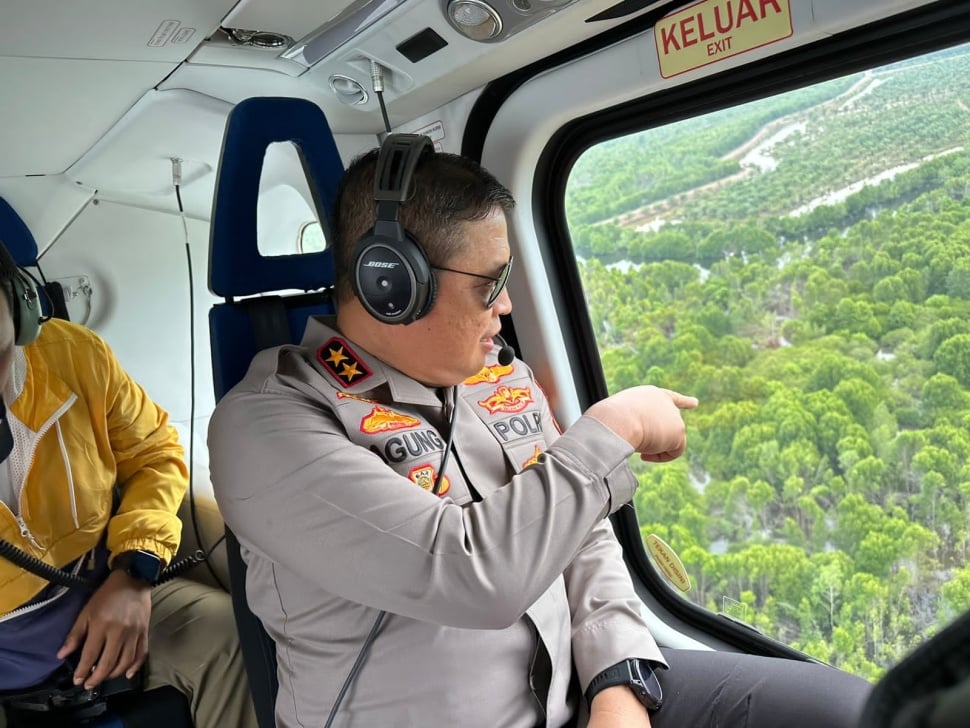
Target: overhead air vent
348,90
258,38
491,21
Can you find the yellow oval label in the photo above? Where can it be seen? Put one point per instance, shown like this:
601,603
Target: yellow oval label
668,562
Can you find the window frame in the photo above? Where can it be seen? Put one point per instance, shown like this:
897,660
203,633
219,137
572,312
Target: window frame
927,29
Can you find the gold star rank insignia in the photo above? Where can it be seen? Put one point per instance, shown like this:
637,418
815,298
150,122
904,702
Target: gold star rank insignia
342,363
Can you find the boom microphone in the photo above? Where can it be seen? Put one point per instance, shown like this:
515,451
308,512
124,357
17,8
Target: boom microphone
506,354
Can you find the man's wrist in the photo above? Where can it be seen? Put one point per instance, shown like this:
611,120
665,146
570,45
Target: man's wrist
637,675
618,700
140,565
123,578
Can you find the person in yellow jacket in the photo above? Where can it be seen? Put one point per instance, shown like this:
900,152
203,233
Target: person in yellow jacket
91,478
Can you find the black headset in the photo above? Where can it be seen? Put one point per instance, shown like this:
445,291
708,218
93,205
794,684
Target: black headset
25,303
391,274
27,316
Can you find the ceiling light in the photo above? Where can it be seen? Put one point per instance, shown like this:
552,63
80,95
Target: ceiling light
258,38
353,20
475,19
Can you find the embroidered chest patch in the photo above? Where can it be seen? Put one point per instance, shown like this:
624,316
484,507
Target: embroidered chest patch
425,477
490,375
382,419
507,399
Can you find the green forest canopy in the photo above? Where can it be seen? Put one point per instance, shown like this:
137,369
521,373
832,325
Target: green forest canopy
825,327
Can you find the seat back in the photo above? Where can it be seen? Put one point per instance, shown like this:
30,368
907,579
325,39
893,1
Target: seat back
929,688
239,328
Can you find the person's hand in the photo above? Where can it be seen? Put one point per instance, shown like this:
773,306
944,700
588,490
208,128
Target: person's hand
113,627
617,707
648,418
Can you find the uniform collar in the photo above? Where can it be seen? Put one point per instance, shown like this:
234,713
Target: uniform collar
350,368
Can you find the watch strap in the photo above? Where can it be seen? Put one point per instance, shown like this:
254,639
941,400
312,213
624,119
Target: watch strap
636,674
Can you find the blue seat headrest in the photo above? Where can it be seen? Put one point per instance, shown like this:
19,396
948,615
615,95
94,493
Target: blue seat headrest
236,267
16,237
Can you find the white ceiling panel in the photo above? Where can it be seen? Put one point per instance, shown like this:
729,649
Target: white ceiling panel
135,156
147,30
47,205
56,110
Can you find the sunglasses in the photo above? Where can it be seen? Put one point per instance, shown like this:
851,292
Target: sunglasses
498,282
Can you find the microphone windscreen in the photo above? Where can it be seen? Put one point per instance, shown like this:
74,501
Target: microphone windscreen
506,353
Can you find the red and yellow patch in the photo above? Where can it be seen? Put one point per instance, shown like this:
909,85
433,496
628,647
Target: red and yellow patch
382,419
492,374
342,362
425,475
533,460
348,395
507,399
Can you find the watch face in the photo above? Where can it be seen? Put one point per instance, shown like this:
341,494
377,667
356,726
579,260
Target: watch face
648,689
142,565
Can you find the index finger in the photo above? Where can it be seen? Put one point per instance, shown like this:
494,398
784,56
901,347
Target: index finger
682,401
93,644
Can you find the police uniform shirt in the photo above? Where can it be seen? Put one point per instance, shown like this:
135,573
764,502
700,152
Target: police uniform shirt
324,460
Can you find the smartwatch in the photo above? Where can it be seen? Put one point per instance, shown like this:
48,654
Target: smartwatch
142,565
636,674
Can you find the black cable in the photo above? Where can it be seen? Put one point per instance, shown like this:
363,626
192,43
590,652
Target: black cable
358,663
45,571
372,635
192,508
451,436
380,100
66,578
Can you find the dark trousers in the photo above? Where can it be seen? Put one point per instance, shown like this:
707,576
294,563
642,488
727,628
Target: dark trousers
727,690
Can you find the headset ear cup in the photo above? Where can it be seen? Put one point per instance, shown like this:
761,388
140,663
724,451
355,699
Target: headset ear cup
26,314
425,284
392,277
432,295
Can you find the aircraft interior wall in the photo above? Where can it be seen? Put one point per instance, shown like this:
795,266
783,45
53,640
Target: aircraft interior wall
135,261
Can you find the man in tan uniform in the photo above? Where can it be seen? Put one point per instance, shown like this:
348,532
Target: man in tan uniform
402,492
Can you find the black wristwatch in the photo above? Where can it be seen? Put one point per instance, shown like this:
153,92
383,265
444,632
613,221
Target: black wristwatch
142,565
636,674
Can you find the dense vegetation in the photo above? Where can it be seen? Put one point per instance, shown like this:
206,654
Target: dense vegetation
825,498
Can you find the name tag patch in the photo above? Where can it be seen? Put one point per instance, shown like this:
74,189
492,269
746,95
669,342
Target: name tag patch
518,426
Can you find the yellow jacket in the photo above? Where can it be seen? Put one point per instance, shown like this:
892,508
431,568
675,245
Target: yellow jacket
80,425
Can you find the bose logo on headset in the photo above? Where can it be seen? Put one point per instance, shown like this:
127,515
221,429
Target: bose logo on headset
391,274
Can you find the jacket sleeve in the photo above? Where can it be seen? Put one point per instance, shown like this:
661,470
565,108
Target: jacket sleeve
152,475
298,493
607,624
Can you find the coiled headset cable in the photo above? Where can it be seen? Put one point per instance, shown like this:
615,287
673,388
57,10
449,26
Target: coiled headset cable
62,577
